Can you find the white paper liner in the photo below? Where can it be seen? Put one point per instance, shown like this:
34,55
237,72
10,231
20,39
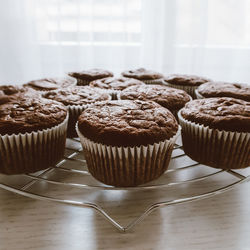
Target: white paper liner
31,152
127,166
175,112
114,94
215,148
189,89
156,81
74,112
198,95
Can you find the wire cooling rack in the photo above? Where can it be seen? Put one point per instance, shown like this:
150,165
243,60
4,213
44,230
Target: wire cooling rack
70,183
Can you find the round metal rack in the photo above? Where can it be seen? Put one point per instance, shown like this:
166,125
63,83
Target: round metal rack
70,183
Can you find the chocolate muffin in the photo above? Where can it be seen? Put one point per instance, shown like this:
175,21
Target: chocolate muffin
84,77
223,89
186,82
76,98
127,143
12,90
77,95
170,98
216,132
46,84
32,133
147,76
115,85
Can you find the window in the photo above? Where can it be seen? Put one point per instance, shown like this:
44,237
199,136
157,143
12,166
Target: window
213,23
89,22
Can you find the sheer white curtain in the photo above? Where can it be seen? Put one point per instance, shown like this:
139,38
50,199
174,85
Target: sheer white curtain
41,38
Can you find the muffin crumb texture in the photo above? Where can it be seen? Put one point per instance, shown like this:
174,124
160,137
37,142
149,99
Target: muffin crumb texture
170,98
77,95
127,123
27,114
223,113
91,74
51,83
115,83
142,74
221,89
186,80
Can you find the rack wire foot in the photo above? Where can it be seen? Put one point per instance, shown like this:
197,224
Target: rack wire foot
74,157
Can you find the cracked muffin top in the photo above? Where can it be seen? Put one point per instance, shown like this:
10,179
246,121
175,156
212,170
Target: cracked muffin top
115,83
142,74
91,74
51,83
170,98
9,90
186,80
24,114
77,95
223,113
223,89
127,123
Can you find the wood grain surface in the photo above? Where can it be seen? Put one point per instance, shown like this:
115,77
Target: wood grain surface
222,222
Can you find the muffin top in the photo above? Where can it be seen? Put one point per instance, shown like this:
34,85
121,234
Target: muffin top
14,89
77,95
221,89
186,80
127,123
167,97
51,83
9,92
91,74
223,113
115,83
25,114
142,74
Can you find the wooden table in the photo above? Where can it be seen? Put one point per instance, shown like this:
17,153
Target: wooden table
220,222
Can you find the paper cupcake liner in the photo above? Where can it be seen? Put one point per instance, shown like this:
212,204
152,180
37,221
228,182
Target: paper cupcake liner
215,148
176,111
114,94
156,81
189,89
198,95
74,112
127,166
31,152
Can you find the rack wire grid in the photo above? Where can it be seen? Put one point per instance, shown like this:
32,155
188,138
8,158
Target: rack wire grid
70,183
